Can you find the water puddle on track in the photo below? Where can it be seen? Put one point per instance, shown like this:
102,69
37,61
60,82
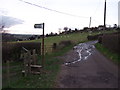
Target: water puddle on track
84,50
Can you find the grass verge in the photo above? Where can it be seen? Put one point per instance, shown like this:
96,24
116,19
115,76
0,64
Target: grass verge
113,56
44,80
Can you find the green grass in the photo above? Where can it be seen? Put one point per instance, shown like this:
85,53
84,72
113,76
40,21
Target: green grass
113,56
74,37
52,64
44,80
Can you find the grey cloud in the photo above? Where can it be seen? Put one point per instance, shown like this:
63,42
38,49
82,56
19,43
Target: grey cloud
8,21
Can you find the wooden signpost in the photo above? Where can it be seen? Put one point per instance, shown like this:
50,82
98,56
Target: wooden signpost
41,26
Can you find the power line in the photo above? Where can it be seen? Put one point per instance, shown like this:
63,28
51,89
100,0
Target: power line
96,21
53,10
98,6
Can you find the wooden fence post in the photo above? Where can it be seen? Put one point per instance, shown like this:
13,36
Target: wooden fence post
54,47
34,57
25,64
29,61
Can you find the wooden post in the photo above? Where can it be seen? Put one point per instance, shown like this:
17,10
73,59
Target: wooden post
34,57
54,47
29,61
25,65
43,47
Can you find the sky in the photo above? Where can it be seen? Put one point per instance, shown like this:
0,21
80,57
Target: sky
119,13
55,14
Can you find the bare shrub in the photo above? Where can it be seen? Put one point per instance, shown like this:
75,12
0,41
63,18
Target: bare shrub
94,37
63,44
54,46
100,39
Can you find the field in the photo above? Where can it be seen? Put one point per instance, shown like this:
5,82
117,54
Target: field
74,37
52,64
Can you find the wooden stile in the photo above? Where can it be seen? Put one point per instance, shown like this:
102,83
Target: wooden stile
30,63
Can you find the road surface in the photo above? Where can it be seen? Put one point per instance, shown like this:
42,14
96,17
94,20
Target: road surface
86,67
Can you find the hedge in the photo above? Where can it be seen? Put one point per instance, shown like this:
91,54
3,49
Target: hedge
12,51
111,41
93,37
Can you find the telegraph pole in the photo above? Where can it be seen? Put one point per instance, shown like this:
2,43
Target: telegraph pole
90,22
105,16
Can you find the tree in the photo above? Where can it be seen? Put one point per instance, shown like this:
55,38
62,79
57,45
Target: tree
76,29
32,37
85,28
65,28
69,30
47,35
115,26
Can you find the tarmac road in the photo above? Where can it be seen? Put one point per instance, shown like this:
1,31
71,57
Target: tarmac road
86,67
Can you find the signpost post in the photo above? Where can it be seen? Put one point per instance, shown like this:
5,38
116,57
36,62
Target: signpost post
43,47
41,26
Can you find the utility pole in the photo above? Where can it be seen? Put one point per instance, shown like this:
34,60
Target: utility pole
90,22
105,16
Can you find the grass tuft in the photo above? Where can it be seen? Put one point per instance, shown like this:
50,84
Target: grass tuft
113,56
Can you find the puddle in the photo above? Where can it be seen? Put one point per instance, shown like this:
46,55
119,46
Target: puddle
84,50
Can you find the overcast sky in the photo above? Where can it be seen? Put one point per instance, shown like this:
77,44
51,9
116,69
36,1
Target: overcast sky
79,13
119,14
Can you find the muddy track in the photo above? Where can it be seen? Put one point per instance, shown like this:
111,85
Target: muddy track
86,67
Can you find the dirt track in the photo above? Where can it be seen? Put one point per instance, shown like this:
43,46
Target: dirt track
86,67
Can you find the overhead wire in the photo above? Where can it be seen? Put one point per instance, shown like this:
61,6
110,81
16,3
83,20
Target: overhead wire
65,12
53,10
95,13
96,21
96,9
